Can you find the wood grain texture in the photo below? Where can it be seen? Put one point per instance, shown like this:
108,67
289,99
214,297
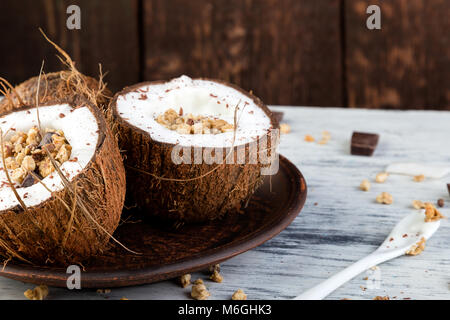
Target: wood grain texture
285,51
108,35
405,64
339,223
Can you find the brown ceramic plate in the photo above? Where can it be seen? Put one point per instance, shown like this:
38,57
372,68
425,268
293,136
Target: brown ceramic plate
168,252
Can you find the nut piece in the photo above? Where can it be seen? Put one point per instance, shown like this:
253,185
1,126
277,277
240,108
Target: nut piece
239,295
214,267
33,136
385,198
7,149
365,185
64,153
18,175
381,177
45,167
185,280
103,291
417,204
419,178
326,136
216,277
381,298
11,163
38,293
28,164
285,128
199,291
432,214
417,248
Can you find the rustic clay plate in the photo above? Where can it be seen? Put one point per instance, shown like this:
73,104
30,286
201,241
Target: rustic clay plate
168,252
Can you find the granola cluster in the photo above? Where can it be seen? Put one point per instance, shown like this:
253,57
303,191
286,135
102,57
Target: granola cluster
25,154
417,248
38,293
190,124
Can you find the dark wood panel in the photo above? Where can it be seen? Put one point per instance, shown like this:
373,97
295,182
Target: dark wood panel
108,35
287,52
404,65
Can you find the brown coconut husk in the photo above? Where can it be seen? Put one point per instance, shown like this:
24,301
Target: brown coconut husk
55,88
186,192
76,222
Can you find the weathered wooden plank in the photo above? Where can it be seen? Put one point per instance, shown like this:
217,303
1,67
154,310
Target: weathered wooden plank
108,35
285,51
406,63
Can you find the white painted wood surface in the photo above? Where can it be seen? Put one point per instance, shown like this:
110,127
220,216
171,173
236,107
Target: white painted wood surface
339,224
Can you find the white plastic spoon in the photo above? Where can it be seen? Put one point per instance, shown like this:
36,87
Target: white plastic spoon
406,233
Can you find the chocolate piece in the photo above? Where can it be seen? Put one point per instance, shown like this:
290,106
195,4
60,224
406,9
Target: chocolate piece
30,180
440,203
364,144
448,187
47,139
278,115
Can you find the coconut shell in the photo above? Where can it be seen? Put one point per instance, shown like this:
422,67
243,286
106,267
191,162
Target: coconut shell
38,234
55,87
223,190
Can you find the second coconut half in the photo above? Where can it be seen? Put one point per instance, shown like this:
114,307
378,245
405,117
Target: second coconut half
195,149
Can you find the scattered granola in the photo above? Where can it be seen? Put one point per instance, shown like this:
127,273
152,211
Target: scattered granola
26,154
326,136
385,198
419,178
417,204
381,177
199,291
285,128
381,298
239,295
417,248
216,277
190,124
432,214
38,293
309,138
365,185
103,291
185,280
214,267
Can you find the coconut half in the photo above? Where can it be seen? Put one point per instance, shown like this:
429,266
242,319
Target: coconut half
54,227
194,189
57,87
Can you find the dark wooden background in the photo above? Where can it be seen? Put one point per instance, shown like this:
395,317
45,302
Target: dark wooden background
293,52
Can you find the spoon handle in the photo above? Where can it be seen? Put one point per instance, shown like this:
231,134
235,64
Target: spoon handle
326,287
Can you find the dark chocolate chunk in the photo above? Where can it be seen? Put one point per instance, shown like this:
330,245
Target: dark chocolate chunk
47,139
448,187
278,115
441,203
364,144
30,180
